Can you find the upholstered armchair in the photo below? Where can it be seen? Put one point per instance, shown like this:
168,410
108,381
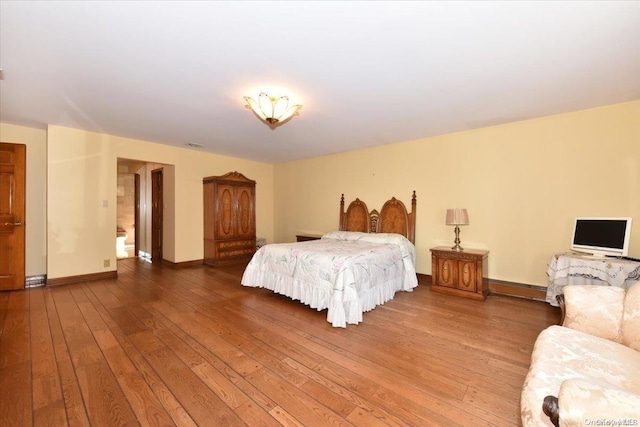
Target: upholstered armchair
587,371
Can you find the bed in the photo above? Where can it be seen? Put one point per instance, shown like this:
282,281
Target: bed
348,272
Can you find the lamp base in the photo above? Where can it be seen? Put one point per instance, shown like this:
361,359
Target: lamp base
457,246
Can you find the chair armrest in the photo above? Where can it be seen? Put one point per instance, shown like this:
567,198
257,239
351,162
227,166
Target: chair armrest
595,310
582,402
630,331
563,310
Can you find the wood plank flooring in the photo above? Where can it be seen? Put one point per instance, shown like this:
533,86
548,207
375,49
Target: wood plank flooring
192,347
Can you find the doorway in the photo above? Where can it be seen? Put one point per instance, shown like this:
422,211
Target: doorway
128,214
141,204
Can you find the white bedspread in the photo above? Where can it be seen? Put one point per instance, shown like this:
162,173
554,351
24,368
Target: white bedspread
347,272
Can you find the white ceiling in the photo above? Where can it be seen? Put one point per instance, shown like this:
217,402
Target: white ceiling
367,73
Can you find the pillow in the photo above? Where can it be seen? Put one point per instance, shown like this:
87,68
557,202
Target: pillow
393,238
407,249
344,235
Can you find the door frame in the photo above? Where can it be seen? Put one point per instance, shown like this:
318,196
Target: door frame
136,202
157,214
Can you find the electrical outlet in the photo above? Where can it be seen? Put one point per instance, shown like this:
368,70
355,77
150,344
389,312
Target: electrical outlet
107,263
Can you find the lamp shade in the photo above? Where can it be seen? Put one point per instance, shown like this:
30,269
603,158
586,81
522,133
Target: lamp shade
457,216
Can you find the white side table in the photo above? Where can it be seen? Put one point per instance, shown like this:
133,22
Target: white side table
575,269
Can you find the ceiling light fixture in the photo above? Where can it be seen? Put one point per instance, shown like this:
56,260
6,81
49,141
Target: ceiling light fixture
272,110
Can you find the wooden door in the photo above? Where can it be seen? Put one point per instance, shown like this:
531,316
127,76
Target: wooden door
12,220
157,219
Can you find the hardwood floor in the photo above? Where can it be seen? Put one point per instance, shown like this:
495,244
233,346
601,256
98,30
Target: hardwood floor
162,346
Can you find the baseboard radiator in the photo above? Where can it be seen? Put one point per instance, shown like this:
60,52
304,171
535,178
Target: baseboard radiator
35,281
501,287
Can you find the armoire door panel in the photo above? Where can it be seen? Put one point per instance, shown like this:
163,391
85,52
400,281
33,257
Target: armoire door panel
246,219
226,214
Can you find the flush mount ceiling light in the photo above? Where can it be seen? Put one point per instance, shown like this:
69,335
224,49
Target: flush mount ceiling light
272,110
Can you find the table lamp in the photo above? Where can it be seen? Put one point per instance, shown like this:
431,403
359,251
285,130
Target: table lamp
457,217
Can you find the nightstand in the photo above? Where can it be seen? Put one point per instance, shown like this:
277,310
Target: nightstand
307,237
462,273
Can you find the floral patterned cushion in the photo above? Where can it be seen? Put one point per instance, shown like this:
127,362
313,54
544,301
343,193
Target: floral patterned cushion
596,310
596,403
562,354
630,334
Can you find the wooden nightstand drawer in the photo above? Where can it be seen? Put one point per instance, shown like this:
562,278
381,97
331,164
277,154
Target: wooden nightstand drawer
446,273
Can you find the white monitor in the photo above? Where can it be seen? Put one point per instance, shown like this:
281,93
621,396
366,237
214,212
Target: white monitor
602,236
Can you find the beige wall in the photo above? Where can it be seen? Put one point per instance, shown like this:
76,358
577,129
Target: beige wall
522,183
82,192
36,194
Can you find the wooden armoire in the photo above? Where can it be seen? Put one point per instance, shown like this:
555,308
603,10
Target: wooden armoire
229,218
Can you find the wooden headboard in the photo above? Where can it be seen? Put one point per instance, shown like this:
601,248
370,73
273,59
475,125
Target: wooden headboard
392,218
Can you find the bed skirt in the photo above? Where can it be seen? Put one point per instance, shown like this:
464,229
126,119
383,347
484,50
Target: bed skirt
342,308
